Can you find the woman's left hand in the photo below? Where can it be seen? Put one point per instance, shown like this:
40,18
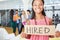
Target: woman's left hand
57,34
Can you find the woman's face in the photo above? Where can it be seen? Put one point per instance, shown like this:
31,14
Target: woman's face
28,12
38,6
23,12
16,12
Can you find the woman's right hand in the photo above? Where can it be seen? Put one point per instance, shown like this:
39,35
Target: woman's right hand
23,35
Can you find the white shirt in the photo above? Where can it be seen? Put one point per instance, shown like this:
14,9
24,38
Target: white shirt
58,27
23,18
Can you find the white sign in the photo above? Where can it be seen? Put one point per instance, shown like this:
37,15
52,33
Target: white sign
40,29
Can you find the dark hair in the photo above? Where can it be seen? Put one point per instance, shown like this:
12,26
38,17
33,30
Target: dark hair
29,11
16,10
11,13
33,13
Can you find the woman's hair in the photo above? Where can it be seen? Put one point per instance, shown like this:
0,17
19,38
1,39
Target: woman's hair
16,10
11,13
33,13
29,11
23,11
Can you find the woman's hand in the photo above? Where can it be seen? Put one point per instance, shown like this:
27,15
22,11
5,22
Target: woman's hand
57,34
23,35
27,36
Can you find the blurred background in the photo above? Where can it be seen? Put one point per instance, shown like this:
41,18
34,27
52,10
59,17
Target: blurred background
52,9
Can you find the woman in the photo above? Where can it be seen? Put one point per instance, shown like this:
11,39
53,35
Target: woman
38,18
29,14
12,22
23,16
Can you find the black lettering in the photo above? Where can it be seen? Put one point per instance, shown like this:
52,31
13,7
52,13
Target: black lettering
35,30
28,29
40,30
46,30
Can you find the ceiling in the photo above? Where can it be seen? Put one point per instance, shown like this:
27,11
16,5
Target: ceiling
2,0
7,4
19,3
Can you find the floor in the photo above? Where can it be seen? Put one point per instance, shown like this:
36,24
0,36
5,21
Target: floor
10,30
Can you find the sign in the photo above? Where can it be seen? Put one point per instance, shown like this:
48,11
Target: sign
39,29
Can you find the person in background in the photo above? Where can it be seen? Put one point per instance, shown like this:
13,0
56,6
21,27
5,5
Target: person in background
12,22
29,14
23,17
38,18
18,21
11,16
